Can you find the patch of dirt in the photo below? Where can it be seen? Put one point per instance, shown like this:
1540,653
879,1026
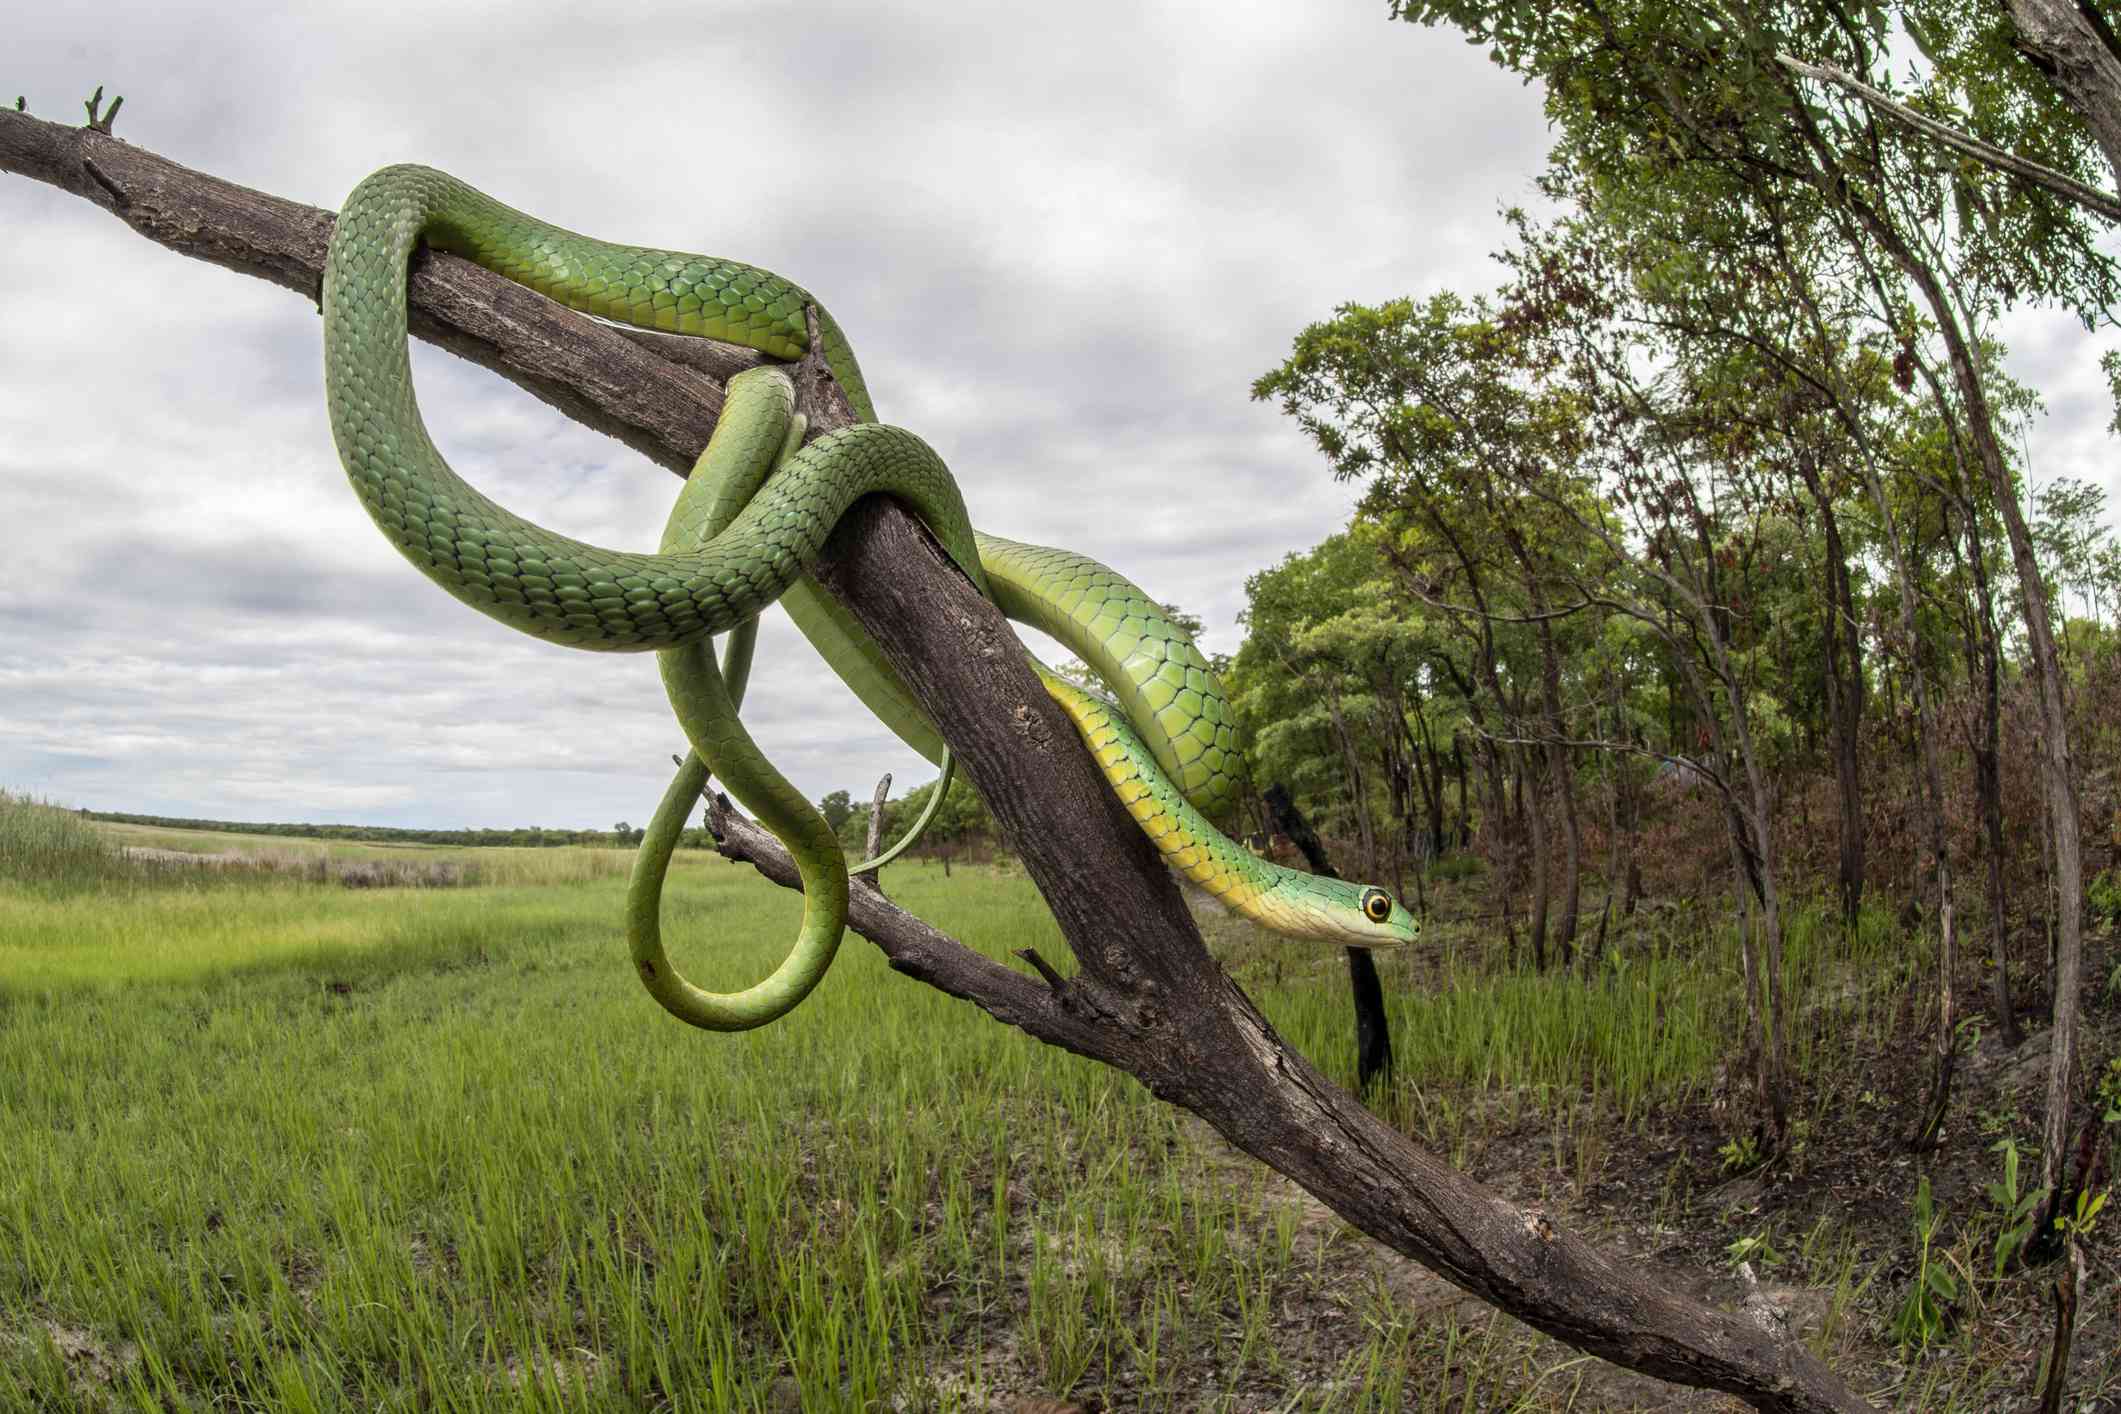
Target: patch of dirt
92,1366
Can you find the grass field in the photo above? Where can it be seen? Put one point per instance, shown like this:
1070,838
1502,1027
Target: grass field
275,1143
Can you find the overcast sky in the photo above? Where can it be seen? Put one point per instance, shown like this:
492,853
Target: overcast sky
1063,240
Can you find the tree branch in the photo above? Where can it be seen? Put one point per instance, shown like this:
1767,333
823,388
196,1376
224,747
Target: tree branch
1146,998
2048,179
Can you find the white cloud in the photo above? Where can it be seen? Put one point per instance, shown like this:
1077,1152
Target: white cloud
1064,239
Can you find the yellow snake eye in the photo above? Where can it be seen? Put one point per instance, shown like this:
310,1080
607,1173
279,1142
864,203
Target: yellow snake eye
1376,905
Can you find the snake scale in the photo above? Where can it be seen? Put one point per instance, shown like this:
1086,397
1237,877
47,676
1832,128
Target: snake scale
752,519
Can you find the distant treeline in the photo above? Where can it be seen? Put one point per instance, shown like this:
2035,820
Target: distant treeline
534,836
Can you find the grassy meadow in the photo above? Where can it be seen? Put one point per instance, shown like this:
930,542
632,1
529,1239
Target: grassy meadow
269,1141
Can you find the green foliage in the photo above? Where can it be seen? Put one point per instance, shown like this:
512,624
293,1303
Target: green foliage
2017,1210
1755,1248
2102,897
2077,1225
1669,102
962,818
1924,1315
1740,1154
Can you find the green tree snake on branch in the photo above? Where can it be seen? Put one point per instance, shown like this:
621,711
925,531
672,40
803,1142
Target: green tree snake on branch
751,521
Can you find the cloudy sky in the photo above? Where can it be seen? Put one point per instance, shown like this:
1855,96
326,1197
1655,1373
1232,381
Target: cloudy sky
1064,240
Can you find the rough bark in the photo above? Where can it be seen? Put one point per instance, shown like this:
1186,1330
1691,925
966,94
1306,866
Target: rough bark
2064,39
1146,997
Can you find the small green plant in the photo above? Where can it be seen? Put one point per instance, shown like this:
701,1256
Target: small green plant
2102,896
1926,1313
1755,1248
1740,1155
2003,1121
2077,1227
2017,1210
2110,1087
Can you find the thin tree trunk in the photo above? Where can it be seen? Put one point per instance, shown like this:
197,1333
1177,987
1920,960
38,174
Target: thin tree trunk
1559,766
1932,1118
1465,797
1844,704
1984,654
1531,822
1373,1035
2058,773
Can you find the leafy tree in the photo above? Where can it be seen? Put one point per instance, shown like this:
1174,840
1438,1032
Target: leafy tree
1710,105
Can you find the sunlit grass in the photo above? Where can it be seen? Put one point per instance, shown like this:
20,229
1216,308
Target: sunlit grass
283,1144
302,1147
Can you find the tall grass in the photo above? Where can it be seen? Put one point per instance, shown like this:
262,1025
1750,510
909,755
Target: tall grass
1647,1028
296,1147
42,845
271,1143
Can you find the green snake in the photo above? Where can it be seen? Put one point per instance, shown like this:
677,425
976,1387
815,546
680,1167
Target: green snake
752,520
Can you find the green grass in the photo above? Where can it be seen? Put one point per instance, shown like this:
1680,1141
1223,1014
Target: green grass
297,1146
1645,1029
272,1142
45,848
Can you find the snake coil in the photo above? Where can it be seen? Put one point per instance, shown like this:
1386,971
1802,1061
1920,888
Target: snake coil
752,520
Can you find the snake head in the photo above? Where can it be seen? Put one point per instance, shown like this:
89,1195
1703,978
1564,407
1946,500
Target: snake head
1332,911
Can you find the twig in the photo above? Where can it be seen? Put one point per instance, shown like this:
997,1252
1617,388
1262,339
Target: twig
2091,199
1044,969
97,122
875,841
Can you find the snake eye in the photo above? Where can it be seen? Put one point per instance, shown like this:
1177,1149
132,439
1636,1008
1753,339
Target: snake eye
1376,905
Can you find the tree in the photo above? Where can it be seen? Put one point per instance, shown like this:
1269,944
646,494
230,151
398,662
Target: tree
1423,403
836,807
1650,97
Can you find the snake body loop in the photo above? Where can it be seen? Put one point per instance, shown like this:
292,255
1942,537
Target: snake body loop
752,520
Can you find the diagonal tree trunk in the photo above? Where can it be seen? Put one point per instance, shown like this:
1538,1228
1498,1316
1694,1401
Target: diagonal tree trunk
1146,997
